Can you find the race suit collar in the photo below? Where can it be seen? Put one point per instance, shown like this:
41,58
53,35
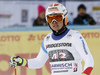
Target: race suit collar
54,37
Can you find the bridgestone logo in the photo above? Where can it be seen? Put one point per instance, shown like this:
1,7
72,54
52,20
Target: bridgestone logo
59,45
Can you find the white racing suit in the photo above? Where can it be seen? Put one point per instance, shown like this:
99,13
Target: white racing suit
65,53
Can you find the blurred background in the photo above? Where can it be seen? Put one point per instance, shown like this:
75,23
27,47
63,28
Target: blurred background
23,27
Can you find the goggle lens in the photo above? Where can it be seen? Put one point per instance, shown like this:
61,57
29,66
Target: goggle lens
57,17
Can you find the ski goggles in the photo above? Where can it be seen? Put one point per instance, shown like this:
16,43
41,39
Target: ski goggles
53,17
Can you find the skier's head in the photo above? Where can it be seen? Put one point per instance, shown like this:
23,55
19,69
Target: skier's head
56,16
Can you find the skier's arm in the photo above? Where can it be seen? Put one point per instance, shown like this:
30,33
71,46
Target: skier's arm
34,63
39,61
82,48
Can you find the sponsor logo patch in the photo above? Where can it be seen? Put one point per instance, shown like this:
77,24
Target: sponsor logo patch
61,66
75,67
59,45
53,9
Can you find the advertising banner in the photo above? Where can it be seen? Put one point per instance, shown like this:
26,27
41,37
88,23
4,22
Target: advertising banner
27,45
23,13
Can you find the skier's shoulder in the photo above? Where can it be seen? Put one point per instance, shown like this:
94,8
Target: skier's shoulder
74,32
48,36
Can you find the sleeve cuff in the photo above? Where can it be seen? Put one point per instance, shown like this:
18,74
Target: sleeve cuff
88,70
26,64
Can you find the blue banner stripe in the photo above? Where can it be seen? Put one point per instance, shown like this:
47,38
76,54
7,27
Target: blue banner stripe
42,45
42,28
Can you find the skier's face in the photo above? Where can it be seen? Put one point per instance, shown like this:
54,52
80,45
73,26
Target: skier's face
56,25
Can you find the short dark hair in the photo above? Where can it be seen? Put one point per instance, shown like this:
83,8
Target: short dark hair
81,6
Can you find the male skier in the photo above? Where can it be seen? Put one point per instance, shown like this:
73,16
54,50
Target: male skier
65,48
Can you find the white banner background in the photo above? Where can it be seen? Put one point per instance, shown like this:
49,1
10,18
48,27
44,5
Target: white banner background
14,8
